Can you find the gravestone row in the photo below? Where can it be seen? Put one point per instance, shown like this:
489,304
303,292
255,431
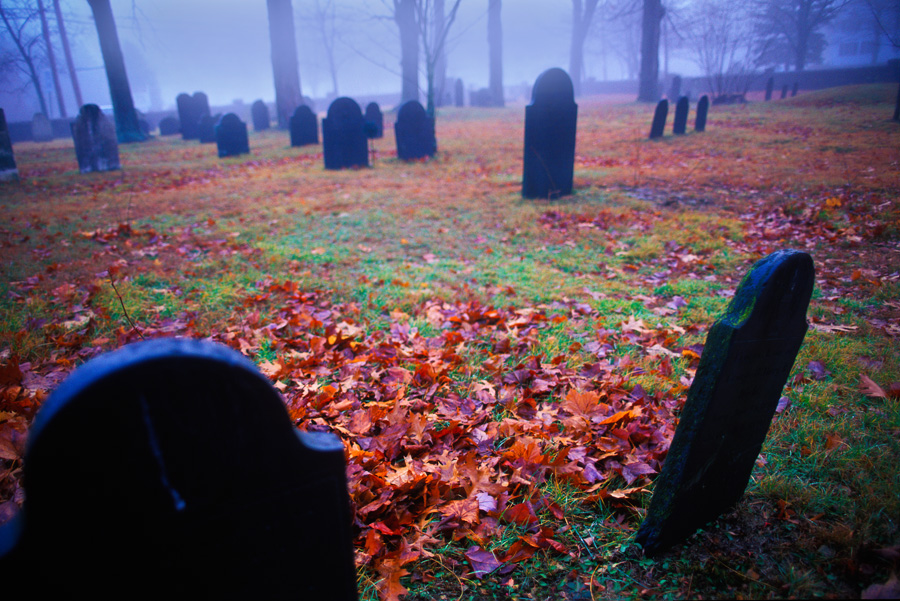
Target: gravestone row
679,126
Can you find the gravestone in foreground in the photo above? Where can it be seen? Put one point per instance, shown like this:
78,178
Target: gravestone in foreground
658,127
260,114
198,486
702,110
374,121
744,366
344,142
96,145
169,126
414,131
548,164
304,127
679,123
231,136
41,129
770,85
8,170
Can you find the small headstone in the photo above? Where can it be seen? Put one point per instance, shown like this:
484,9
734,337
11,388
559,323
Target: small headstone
41,128
206,129
770,85
675,89
795,89
374,121
658,127
260,114
702,110
784,91
8,170
169,126
744,366
550,125
679,124
459,93
96,145
344,142
304,127
231,136
414,131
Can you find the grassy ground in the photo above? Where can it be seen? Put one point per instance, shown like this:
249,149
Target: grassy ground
433,290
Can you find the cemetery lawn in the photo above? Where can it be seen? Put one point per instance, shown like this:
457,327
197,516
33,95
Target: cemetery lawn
505,374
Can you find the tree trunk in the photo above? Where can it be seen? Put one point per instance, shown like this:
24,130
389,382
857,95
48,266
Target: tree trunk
70,64
648,85
897,106
127,127
440,65
495,51
405,16
285,71
51,58
582,14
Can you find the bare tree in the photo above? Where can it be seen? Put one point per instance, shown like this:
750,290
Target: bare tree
51,58
324,17
440,64
285,70
795,24
582,15
19,19
67,51
648,84
495,52
405,17
433,33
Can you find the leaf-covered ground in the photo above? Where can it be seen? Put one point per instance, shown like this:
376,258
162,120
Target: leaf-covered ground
506,375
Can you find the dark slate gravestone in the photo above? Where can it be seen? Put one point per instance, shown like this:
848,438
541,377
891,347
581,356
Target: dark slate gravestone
189,114
675,89
195,484
414,131
304,127
169,126
551,119
745,363
702,110
658,127
770,85
231,136
201,101
206,128
41,129
96,145
459,93
374,121
344,141
260,114
795,88
8,170
679,124
784,91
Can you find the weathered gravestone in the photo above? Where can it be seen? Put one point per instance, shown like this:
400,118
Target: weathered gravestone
459,94
784,91
770,85
190,110
8,170
195,485
551,119
675,89
344,141
304,127
169,126
658,127
260,114
201,101
206,128
795,89
744,366
679,123
414,131
231,136
702,110
96,145
374,121
41,128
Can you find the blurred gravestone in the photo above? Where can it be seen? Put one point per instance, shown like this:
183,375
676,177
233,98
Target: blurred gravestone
169,126
201,101
744,366
206,128
679,123
675,89
189,114
344,141
8,170
770,85
481,97
702,110
414,131
260,114
176,430
231,136
459,94
795,89
658,127
304,127
374,121
41,129
96,145
784,91
550,125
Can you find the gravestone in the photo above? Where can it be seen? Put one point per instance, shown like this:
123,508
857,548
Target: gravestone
481,97
784,91
231,136
795,89
96,145
201,101
770,85
414,131
41,128
189,114
675,89
743,368
658,127
344,142
304,127
8,170
169,126
374,121
197,485
459,94
206,128
551,120
260,114
679,123
702,110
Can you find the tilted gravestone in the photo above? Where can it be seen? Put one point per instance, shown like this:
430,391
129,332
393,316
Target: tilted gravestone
169,126
459,94
260,114
702,110
551,120
658,127
8,170
784,91
41,128
744,366
96,145
206,128
795,89
195,484
770,85
679,123
374,121
344,142
414,131
304,127
231,136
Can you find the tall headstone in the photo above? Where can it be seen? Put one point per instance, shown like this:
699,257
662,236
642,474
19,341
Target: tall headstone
679,123
744,366
675,89
260,114
374,121
41,129
414,131
231,136
189,114
169,126
206,128
702,110
96,145
658,127
201,101
344,142
459,93
8,170
550,125
304,127
795,89
784,91
770,85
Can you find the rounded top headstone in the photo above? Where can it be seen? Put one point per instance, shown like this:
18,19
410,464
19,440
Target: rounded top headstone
373,109
229,120
411,110
90,111
302,110
553,86
344,108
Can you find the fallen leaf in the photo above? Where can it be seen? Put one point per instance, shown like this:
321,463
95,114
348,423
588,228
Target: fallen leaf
483,562
869,388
